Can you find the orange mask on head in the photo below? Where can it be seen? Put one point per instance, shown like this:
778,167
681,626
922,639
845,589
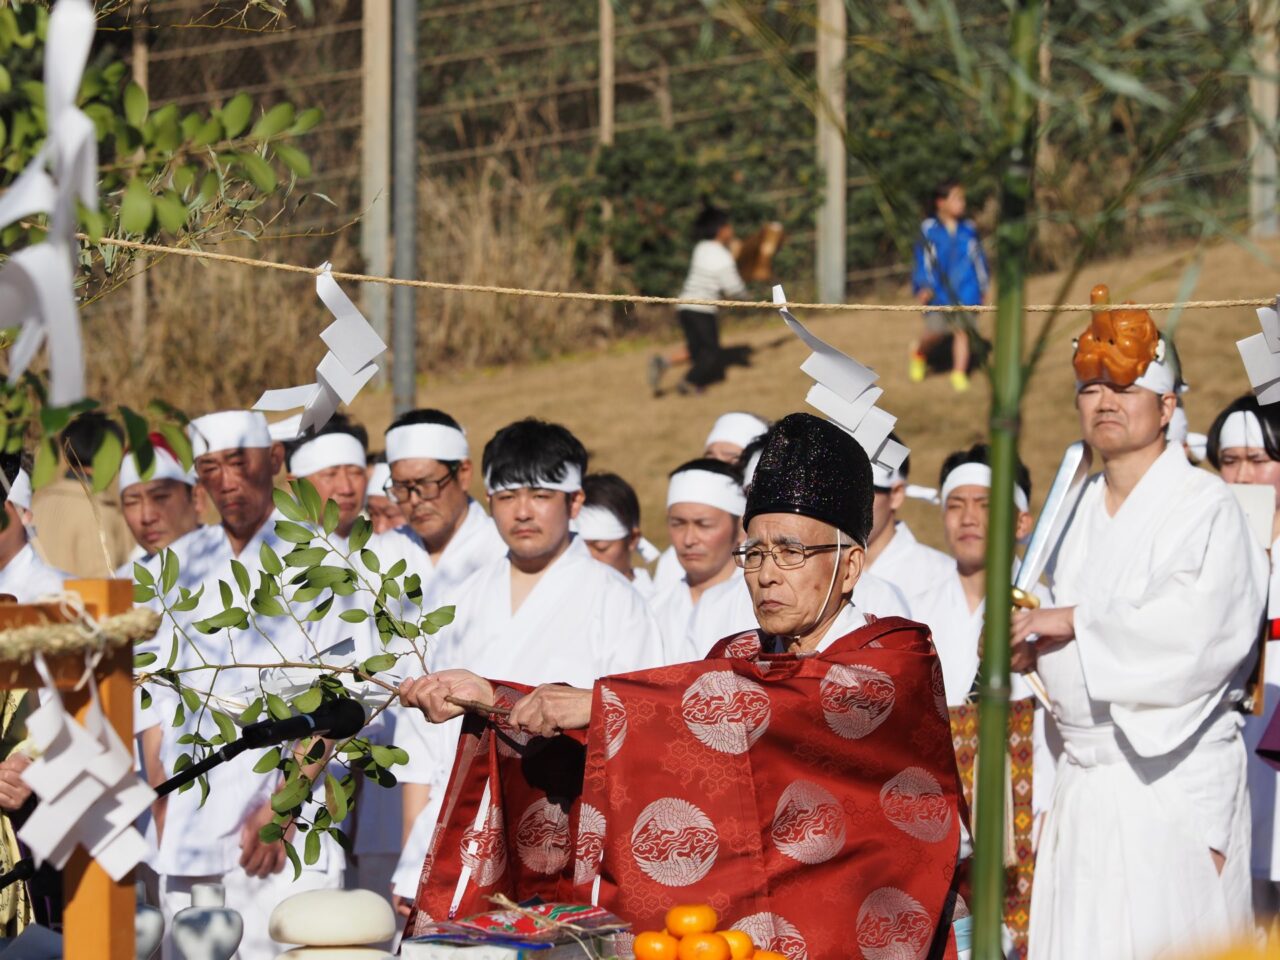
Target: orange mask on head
1118,346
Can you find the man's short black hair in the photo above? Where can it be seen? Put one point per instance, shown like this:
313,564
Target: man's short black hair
610,491
709,222
529,452
338,423
1268,418
981,453
428,415
711,465
941,190
82,437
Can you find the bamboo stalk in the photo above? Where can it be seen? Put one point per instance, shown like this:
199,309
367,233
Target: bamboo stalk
1012,242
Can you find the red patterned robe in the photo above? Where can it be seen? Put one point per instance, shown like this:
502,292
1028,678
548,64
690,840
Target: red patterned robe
811,800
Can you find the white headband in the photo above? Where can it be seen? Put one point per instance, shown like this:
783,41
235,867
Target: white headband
600,523
379,477
712,489
1179,427
427,441
1241,429
978,475
884,477
164,466
1158,378
571,483
325,451
736,428
228,430
20,491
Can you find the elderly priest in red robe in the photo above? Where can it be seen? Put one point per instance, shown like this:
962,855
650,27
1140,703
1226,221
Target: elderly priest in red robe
800,779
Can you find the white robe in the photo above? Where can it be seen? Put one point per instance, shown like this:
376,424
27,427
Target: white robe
1264,780
1168,595
731,611
582,620
677,616
912,567
28,578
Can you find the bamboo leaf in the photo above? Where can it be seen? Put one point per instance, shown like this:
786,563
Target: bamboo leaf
236,114
273,122
136,207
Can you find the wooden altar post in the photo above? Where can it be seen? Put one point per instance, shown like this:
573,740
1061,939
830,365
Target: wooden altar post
98,911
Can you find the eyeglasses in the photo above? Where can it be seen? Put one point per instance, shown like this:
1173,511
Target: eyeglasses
399,491
786,556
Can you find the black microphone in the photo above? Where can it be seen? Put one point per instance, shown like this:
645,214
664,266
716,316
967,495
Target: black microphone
337,719
23,870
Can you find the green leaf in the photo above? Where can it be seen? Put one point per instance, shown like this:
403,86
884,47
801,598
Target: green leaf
143,660
242,576
136,207
298,162
292,854
46,465
278,709
270,832
142,594
221,621
251,713
335,798
306,557
136,105
268,761
290,795
258,171
225,725
235,115
210,132
360,533
209,185
290,507
319,612
353,616
191,699
142,575
184,178
439,618
330,516
370,560
309,498
169,570
378,663
171,212
273,122
270,560
397,568
307,701
294,532
178,441
311,848
326,576
307,120
382,756
225,595
6,82
136,431
106,460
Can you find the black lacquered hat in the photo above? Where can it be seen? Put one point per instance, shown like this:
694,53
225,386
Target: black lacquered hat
813,468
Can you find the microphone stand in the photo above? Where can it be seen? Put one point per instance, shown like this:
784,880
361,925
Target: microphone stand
189,774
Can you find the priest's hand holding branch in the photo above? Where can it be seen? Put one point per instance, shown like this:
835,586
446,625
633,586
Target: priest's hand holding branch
428,693
551,709
1051,626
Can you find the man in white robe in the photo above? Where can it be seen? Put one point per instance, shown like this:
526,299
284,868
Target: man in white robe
430,471
24,574
159,509
729,436
235,461
704,521
894,554
1244,446
547,611
1159,589
609,524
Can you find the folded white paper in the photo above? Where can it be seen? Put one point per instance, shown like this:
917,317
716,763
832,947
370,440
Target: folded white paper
342,372
845,391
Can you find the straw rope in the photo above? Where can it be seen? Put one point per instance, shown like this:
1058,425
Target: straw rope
673,301
22,643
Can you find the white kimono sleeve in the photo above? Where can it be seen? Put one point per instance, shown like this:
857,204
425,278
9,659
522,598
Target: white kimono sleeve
1164,660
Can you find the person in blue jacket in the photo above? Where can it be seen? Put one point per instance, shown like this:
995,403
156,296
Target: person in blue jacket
950,269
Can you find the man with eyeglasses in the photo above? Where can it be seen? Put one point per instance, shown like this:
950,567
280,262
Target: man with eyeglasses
431,470
811,754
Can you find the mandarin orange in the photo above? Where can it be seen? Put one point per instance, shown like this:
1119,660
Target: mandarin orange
655,945
704,946
740,945
769,955
686,918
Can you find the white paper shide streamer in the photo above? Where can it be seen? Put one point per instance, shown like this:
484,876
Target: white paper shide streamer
1261,355
88,792
346,368
37,290
844,390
